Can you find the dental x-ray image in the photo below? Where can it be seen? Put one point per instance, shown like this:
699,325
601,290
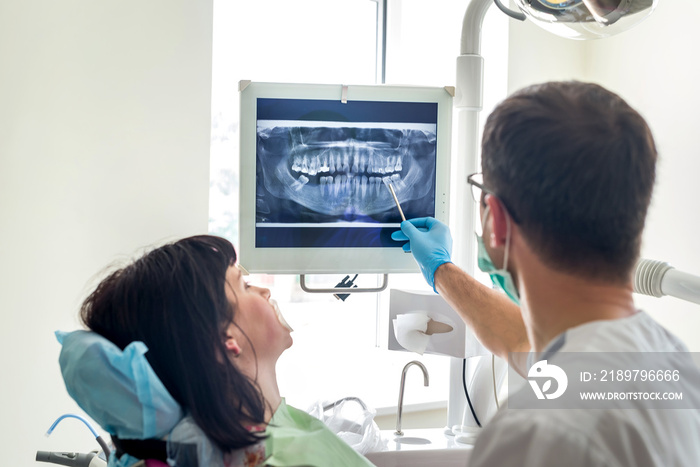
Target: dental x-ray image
322,168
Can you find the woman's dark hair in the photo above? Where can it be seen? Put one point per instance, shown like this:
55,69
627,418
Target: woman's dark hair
575,166
174,300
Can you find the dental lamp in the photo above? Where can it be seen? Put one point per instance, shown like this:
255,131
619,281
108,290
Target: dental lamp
657,279
572,19
585,19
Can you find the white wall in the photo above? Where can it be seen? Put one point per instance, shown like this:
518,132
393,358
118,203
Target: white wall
655,68
535,55
104,149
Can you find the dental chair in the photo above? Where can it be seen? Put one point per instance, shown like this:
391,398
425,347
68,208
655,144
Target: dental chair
121,392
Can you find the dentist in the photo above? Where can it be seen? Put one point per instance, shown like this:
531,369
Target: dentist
568,172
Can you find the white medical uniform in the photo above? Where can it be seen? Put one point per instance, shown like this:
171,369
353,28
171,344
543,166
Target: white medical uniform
578,437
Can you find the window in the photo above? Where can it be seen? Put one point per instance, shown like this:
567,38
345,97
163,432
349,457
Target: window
340,347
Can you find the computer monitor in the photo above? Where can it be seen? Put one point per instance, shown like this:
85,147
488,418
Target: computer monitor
315,162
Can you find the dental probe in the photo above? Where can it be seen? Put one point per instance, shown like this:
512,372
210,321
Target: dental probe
396,200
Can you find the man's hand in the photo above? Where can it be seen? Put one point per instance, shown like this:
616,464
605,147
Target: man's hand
430,242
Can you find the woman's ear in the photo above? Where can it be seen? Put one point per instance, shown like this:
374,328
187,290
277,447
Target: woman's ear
232,345
499,221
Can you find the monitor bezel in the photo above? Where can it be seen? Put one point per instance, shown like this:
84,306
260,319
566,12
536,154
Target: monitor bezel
379,260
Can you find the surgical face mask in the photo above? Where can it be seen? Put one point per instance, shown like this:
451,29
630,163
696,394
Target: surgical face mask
501,278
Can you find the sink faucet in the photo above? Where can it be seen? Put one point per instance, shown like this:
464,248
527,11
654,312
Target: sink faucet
398,431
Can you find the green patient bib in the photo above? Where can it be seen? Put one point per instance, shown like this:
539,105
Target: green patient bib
295,438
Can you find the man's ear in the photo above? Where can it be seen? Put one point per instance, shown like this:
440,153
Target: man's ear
498,220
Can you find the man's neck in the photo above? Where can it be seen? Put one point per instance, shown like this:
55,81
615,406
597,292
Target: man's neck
552,301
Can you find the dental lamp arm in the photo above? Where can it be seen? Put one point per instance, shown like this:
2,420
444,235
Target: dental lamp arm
492,317
513,14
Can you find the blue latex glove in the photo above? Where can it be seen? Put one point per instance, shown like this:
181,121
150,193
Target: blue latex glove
430,242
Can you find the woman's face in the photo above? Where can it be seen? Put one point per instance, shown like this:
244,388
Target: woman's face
257,317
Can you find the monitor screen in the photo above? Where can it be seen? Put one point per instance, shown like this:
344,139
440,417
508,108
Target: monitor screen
319,168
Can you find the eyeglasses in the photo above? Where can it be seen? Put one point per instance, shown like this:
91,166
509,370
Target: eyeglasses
476,182
478,189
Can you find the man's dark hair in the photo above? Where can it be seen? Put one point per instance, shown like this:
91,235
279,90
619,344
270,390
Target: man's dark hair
574,165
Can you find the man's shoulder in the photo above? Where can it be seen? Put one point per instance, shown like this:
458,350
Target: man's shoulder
636,333
581,437
538,437
574,437
579,424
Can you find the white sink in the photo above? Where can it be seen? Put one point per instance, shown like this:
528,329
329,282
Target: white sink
418,448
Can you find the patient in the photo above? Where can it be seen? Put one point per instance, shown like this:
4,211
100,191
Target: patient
213,340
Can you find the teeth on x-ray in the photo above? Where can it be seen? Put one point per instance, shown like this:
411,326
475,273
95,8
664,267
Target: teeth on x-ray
316,165
300,182
335,171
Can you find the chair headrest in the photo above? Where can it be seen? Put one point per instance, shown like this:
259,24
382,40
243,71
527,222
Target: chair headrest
118,389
